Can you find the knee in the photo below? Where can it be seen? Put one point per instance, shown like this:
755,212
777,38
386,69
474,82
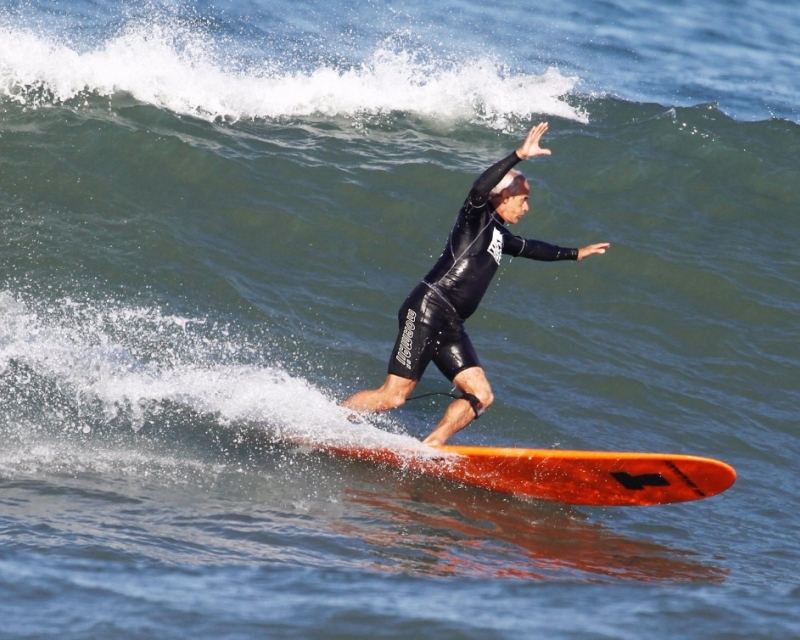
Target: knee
480,401
484,393
473,383
394,400
395,393
487,398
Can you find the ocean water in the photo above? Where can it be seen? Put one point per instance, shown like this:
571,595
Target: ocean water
210,213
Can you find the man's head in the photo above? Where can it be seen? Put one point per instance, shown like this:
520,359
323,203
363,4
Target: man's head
510,197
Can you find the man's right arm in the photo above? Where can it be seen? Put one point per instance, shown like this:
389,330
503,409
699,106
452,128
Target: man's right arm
487,181
494,174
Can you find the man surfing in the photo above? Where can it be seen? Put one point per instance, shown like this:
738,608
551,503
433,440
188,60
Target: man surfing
433,315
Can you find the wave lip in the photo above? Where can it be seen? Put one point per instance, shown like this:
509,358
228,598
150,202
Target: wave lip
180,68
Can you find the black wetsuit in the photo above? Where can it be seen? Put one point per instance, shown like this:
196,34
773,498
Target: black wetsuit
432,317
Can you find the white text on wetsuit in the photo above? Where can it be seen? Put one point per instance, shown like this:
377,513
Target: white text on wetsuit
404,351
496,247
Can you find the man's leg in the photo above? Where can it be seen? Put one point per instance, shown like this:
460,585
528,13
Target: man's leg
460,413
393,393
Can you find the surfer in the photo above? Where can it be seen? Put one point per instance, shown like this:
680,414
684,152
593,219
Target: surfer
433,315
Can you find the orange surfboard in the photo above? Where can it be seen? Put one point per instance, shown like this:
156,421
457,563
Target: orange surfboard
594,478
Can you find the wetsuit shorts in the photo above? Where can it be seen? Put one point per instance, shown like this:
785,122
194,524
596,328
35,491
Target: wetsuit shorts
430,331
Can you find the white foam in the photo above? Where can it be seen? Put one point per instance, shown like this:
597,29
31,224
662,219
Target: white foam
90,352
177,67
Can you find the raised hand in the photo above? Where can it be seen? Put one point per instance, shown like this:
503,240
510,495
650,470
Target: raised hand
530,147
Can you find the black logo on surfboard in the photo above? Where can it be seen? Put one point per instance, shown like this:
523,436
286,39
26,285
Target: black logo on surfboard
637,483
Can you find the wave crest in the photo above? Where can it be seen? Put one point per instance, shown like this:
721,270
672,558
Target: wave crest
180,67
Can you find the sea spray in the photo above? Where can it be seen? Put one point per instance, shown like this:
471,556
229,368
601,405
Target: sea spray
69,369
178,65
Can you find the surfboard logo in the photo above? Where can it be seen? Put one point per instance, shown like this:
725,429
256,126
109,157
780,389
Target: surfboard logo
496,245
638,483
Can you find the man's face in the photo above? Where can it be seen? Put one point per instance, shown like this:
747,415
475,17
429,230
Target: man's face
514,204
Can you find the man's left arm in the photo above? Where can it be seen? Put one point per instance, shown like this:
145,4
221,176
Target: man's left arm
539,250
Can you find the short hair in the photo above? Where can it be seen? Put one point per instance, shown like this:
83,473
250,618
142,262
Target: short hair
506,182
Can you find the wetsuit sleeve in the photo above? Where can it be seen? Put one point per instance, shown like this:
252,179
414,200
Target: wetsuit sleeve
537,250
489,179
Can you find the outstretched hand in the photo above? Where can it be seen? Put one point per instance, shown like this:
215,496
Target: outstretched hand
592,249
530,147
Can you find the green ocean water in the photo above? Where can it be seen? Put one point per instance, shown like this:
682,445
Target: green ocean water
180,292
313,234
